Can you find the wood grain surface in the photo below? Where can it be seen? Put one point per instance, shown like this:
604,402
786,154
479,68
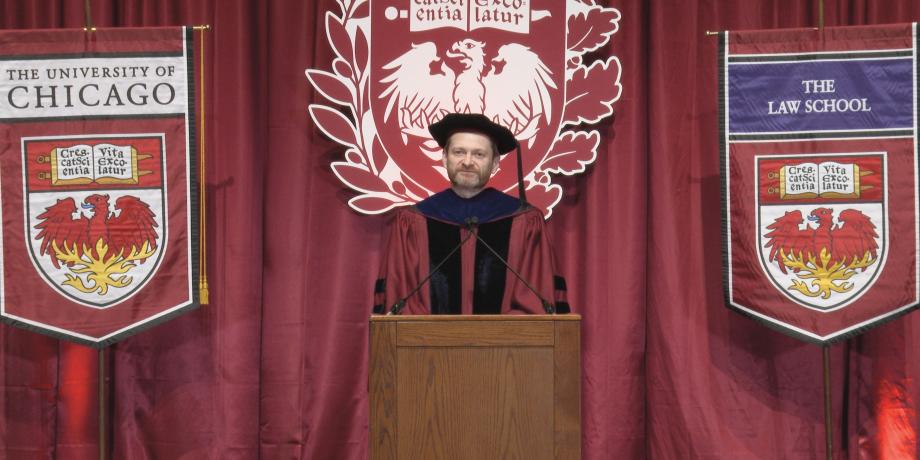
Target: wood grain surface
487,387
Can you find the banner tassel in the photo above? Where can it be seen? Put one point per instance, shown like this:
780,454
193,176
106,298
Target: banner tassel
203,293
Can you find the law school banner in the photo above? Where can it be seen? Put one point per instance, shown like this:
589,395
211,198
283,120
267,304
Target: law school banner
97,189
820,177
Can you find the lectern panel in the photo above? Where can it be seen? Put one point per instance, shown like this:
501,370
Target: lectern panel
500,395
382,389
475,387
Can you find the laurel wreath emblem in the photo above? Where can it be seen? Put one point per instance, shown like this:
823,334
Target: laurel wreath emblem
591,90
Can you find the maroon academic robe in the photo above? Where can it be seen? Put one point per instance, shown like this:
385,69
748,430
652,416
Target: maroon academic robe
472,279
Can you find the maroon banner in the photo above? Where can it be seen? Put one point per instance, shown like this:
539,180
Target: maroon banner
97,182
820,177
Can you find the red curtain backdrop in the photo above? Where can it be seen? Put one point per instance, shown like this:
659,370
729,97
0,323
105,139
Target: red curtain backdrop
275,366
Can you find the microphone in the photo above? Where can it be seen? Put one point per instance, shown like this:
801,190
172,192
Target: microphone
401,303
547,307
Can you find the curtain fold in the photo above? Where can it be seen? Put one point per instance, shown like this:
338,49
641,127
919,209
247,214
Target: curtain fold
276,365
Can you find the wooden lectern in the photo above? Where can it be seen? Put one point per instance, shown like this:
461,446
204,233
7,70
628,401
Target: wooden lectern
475,387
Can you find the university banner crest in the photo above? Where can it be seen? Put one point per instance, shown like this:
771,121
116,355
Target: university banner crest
400,65
97,168
820,177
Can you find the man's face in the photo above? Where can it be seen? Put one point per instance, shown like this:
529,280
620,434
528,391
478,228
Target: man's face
470,160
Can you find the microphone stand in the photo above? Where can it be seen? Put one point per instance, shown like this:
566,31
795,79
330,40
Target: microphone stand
471,223
547,307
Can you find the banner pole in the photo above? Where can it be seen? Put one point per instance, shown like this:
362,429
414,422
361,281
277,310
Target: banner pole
821,14
828,432
87,16
102,394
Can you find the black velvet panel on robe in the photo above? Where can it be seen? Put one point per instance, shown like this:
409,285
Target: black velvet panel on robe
445,281
489,276
489,279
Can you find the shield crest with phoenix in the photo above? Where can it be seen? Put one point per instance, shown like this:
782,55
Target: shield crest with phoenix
94,213
403,65
822,225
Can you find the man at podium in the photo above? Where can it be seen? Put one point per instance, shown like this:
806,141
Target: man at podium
469,249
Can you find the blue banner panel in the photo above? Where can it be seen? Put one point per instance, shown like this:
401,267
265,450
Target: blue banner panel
820,95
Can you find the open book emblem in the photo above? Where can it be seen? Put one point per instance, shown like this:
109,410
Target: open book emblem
822,225
101,164
95,220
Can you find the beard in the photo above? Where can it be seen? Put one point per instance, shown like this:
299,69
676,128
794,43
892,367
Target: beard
468,178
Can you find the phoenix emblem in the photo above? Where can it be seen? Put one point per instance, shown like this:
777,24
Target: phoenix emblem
512,88
822,258
102,247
